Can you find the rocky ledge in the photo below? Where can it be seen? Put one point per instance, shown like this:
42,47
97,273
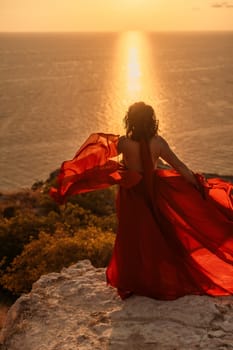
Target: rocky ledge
75,310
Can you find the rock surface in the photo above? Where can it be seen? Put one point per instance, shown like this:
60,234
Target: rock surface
75,310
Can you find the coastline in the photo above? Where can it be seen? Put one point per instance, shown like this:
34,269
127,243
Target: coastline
53,174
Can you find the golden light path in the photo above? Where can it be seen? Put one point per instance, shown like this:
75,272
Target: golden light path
134,77
131,75
136,65
134,73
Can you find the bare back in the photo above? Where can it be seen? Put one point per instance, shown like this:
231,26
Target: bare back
131,152
158,148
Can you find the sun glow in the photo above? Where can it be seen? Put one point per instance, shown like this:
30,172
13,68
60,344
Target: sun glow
133,76
133,67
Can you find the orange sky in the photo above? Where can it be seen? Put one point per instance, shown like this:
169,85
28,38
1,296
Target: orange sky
115,15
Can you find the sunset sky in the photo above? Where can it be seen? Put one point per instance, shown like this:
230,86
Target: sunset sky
115,15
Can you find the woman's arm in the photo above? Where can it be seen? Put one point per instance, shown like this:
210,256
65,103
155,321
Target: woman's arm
170,157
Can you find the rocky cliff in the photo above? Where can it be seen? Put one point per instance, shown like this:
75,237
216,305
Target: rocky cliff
75,310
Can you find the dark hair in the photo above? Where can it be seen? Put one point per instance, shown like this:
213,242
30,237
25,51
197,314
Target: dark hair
140,122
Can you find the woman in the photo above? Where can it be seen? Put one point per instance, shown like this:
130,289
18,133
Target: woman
141,125
175,230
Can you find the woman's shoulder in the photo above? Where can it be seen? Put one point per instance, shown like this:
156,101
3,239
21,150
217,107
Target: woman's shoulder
125,143
158,144
122,138
157,139
121,142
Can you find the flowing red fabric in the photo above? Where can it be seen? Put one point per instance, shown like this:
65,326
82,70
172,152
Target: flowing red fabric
172,239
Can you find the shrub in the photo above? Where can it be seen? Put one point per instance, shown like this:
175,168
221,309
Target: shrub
18,231
101,202
28,216
52,252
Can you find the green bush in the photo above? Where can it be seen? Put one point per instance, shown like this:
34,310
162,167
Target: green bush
101,202
52,252
28,216
18,231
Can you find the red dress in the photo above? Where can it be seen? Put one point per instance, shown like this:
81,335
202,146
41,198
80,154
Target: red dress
172,240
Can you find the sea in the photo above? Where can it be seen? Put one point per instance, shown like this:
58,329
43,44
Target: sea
57,88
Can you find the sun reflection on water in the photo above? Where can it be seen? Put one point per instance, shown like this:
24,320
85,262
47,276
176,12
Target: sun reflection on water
134,65
132,76
134,70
